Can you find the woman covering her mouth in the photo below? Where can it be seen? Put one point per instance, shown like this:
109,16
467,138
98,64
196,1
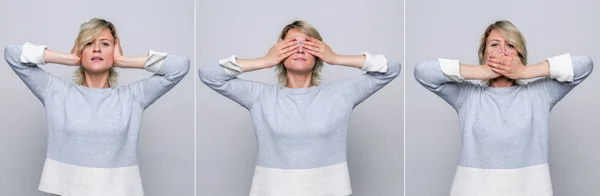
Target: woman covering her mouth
93,125
300,125
503,119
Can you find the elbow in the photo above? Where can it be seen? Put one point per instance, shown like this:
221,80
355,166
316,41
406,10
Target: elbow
12,53
583,65
421,69
394,68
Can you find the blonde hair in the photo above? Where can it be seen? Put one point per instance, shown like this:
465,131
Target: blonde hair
89,31
309,30
510,33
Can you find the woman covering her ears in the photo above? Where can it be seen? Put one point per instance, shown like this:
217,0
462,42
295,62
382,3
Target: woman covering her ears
93,125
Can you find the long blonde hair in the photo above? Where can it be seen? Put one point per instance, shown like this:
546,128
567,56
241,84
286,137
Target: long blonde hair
309,30
89,31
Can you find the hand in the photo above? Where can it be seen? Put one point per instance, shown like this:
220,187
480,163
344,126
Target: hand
507,64
76,56
117,53
320,49
281,50
488,72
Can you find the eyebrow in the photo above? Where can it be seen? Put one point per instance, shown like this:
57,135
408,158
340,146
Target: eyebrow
106,39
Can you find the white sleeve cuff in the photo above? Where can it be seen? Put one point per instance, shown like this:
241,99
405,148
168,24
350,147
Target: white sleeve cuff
155,61
561,68
451,69
231,66
374,63
32,54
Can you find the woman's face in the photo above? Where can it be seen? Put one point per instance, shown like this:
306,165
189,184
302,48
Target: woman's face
301,61
97,56
495,43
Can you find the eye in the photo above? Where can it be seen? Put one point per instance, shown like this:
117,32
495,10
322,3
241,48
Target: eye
494,44
105,44
88,44
511,46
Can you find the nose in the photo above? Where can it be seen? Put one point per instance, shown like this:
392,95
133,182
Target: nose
96,48
301,47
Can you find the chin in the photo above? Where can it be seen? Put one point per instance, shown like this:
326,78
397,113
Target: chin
97,68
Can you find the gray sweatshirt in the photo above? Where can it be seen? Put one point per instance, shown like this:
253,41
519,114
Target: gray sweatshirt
301,133
93,132
504,130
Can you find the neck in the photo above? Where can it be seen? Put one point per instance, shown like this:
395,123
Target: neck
502,82
299,80
95,80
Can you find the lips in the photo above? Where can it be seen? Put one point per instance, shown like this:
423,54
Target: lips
299,59
97,59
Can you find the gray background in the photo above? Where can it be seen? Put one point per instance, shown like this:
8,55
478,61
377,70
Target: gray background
166,143
225,139
452,29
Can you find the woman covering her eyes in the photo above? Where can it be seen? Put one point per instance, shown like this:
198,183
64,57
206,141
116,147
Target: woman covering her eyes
504,118
300,125
93,125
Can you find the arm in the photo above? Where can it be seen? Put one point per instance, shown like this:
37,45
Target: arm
565,72
168,71
25,61
222,78
445,78
379,72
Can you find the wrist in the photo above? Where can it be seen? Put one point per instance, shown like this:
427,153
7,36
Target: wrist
117,61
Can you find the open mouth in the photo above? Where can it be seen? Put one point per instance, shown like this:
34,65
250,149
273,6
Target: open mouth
97,59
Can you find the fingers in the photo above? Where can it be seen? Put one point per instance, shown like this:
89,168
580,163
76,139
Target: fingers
315,53
498,71
287,45
293,47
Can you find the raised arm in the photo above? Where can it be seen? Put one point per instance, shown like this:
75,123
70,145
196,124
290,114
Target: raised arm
565,72
562,72
25,60
168,71
445,78
222,76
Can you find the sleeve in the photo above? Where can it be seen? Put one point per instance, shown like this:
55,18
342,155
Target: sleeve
222,78
379,72
443,78
168,71
566,72
24,60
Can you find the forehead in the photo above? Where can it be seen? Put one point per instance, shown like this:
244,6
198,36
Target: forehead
105,34
495,35
295,33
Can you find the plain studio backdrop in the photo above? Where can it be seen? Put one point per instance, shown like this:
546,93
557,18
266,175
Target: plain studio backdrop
452,29
226,145
166,141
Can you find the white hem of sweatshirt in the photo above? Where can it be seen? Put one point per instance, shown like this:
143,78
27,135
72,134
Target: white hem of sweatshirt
527,181
71,180
333,180
32,54
451,69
